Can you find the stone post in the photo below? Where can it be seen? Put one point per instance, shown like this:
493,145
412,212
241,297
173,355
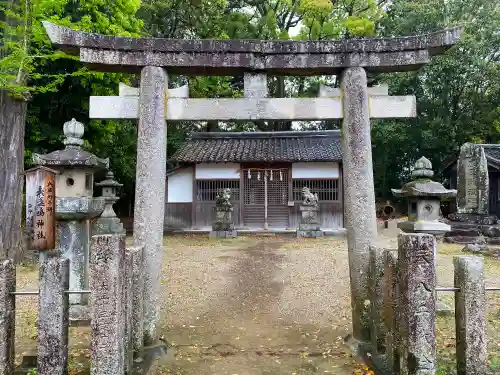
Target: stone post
417,311
53,317
73,244
130,255
470,313
137,300
378,330
150,189
391,299
7,316
359,193
107,305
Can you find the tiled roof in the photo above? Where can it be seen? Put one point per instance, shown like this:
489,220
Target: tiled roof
492,152
291,146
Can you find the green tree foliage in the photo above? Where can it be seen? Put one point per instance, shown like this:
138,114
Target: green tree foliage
60,86
457,93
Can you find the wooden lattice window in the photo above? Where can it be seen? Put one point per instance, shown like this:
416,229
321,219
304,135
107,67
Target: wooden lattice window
277,189
206,190
327,189
255,186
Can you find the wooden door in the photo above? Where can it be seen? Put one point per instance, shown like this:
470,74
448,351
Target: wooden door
261,186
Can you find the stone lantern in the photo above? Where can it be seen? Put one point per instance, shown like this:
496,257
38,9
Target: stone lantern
108,222
75,206
424,201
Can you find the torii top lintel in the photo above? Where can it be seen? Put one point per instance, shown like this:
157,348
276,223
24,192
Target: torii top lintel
233,57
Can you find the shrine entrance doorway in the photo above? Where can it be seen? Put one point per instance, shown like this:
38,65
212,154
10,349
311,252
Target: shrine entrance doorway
266,193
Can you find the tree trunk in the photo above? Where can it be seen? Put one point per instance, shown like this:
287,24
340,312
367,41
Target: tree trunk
12,120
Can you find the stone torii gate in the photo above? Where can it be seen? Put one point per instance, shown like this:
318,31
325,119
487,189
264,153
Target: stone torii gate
354,102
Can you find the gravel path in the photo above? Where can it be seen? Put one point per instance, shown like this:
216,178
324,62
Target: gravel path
260,305
267,305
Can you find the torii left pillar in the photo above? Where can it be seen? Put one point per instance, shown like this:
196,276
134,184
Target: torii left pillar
149,207
359,194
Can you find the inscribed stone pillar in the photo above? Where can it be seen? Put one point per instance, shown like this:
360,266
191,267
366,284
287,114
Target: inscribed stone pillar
470,315
359,194
150,188
53,317
472,180
107,304
417,310
7,316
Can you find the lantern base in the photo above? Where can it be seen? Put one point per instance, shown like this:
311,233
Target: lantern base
430,227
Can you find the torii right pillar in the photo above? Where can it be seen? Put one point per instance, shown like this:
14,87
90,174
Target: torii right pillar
359,193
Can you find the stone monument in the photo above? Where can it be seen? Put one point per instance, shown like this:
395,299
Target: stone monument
472,222
75,207
223,225
472,183
309,222
424,201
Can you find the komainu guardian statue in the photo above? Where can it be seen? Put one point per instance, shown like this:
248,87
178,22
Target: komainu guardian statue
309,225
310,199
223,225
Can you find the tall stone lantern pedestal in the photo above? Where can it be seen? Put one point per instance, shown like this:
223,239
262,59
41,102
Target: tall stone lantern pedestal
75,207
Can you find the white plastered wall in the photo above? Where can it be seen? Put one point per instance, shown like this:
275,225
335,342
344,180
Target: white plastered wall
315,170
180,186
217,171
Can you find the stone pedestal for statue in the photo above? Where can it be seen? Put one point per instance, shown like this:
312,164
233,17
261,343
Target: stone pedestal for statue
472,223
309,223
309,226
75,207
223,226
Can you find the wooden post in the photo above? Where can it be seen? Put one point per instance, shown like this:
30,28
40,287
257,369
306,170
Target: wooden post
7,316
470,314
242,196
266,225
53,317
40,208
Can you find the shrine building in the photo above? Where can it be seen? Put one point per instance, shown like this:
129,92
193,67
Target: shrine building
265,171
